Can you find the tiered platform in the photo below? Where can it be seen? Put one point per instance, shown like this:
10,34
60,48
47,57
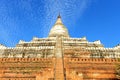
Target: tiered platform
26,68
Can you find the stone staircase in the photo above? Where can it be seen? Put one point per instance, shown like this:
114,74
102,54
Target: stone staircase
59,64
59,72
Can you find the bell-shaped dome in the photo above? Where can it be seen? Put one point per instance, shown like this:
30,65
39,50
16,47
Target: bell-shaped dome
58,29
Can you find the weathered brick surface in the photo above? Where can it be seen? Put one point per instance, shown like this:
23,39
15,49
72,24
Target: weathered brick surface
26,68
43,68
88,69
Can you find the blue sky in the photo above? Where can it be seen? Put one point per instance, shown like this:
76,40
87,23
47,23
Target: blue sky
95,19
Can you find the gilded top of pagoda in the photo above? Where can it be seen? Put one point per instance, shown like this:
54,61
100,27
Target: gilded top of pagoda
58,29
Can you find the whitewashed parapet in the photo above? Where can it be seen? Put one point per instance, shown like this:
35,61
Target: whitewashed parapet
97,42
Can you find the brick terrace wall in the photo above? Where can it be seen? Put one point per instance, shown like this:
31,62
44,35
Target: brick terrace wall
88,68
43,68
26,68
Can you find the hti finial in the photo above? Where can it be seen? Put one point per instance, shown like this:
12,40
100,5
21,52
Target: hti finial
59,16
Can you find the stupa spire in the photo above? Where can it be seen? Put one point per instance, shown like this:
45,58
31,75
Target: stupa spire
59,29
59,21
59,16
